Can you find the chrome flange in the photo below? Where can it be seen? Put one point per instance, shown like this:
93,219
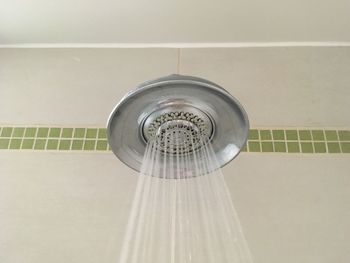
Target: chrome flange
203,110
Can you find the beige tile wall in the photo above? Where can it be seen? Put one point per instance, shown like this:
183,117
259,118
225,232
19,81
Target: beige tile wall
300,86
58,207
303,86
73,207
73,86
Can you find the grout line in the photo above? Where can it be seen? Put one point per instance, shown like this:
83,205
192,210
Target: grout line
337,139
35,137
183,45
56,138
326,141
23,136
59,139
259,141
10,142
299,141
312,142
100,126
95,139
47,138
285,140
84,139
341,150
71,143
8,146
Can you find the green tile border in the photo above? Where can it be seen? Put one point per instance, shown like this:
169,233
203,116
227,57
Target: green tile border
53,138
305,141
87,139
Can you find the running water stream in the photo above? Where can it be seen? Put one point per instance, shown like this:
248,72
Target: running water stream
182,210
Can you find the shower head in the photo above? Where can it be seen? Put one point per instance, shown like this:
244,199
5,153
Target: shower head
198,110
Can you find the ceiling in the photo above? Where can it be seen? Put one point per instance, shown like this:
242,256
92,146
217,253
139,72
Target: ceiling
164,21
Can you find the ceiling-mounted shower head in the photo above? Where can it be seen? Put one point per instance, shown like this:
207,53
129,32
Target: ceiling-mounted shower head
198,111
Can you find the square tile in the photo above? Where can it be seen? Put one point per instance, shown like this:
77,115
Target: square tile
79,132
89,145
30,132
306,147
291,104
305,135
331,135
292,135
27,144
77,145
101,145
293,147
253,135
344,135
265,135
42,132
4,143
18,132
254,146
280,146
333,147
130,66
318,135
244,149
6,131
39,144
266,147
278,134
345,147
54,132
102,133
91,133
64,145
67,133
15,143
52,144
320,147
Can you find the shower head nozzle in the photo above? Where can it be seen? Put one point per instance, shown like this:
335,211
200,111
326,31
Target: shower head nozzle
197,110
191,126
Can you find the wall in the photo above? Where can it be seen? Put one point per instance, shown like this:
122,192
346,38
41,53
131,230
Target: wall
72,206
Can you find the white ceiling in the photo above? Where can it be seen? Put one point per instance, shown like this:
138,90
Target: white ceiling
177,21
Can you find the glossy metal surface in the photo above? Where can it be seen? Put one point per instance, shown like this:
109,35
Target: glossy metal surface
224,118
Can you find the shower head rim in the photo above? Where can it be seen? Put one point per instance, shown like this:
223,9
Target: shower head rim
167,81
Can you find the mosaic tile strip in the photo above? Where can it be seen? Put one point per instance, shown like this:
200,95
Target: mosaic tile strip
298,141
306,141
53,138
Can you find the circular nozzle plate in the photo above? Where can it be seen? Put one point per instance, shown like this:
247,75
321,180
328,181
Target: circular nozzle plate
191,126
199,111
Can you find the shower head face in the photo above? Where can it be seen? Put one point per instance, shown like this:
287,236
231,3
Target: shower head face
180,114
177,132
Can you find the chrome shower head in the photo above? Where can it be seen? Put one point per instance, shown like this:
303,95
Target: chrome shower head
199,111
